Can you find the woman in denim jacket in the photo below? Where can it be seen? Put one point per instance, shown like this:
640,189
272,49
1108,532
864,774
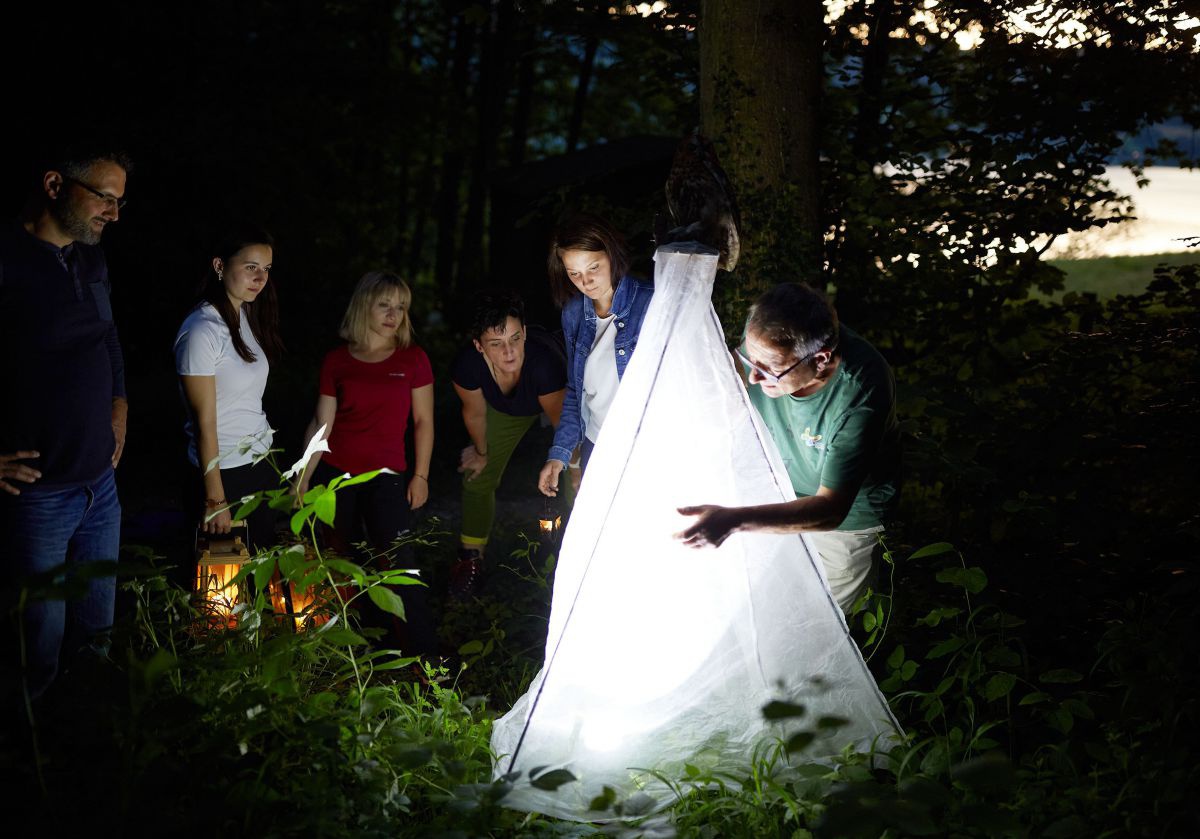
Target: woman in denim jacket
602,313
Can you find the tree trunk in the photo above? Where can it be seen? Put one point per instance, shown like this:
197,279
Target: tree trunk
524,96
854,266
575,127
760,90
492,91
453,158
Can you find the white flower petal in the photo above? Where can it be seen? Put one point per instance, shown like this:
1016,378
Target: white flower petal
316,444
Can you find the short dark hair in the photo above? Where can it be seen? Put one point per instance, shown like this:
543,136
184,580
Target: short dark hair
584,232
493,310
74,158
795,316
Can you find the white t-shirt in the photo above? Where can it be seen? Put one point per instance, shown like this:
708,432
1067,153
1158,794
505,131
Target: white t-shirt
600,378
204,347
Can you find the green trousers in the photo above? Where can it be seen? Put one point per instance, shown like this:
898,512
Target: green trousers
504,432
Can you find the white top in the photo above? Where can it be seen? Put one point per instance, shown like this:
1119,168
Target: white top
600,378
204,347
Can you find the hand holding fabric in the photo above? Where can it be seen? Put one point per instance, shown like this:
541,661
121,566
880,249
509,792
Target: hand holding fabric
714,526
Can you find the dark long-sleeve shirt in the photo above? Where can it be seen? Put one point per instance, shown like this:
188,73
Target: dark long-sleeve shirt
60,357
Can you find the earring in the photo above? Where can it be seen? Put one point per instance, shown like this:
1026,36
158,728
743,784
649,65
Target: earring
220,276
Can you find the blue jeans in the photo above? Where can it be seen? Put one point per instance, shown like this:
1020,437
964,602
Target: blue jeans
50,532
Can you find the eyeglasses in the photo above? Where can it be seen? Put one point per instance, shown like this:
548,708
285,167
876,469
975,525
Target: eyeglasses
111,200
773,378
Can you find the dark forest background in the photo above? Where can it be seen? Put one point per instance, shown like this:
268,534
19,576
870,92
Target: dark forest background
443,140
1043,570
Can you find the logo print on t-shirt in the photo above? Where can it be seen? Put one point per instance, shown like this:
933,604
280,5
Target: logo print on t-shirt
401,375
813,441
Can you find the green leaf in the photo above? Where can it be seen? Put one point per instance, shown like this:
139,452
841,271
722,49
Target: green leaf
972,579
1079,708
396,664
1061,677
249,507
604,800
946,647
908,670
386,599
638,804
551,780
399,577
1034,698
869,621
936,549
326,507
341,636
471,648
263,570
347,568
282,501
896,658
936,616
299,518
291,561
999,686
778,710
831,723
339,483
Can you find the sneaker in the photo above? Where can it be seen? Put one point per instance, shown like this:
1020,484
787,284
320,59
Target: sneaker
466,572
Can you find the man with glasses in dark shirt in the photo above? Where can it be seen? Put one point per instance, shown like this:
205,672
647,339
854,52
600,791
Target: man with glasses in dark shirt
828,398
62,429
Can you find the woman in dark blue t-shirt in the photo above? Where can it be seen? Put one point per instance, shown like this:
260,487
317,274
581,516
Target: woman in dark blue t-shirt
505,383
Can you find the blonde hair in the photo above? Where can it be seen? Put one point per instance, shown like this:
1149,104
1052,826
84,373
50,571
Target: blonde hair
373,286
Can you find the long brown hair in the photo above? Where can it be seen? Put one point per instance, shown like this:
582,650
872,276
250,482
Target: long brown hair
263,313
584,232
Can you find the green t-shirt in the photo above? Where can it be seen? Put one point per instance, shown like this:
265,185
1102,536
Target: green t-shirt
845,436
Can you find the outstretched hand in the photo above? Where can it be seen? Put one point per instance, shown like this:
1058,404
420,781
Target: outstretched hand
11,470
714,525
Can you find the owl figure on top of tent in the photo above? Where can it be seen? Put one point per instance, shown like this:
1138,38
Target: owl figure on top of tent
701,201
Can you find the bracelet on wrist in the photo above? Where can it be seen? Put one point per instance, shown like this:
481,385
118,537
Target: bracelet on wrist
422,477
478,452
213,503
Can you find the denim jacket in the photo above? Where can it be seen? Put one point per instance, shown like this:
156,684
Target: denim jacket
579,329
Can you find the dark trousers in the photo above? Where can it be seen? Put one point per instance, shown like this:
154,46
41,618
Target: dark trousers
241,481
40,531
369,518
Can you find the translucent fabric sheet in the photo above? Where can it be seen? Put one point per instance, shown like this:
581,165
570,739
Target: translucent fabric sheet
660,655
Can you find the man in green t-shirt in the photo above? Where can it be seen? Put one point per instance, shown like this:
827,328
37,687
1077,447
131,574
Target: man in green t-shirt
828,399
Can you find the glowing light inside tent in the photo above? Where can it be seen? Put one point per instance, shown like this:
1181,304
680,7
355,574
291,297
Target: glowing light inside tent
657,653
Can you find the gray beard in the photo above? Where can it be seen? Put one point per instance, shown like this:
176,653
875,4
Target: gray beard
75,226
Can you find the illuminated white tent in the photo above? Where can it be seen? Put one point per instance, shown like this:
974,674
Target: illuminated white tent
657,654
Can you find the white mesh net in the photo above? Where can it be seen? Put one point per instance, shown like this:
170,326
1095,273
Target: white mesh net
660,655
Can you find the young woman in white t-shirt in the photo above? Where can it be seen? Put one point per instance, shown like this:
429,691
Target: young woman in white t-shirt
222,355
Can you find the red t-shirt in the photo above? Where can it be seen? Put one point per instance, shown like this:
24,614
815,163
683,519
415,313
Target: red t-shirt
374,401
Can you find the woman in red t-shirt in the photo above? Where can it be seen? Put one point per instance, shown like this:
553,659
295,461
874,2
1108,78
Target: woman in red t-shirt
368,389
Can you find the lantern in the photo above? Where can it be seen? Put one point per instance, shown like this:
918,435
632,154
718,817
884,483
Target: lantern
218,561
549,523
292,603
